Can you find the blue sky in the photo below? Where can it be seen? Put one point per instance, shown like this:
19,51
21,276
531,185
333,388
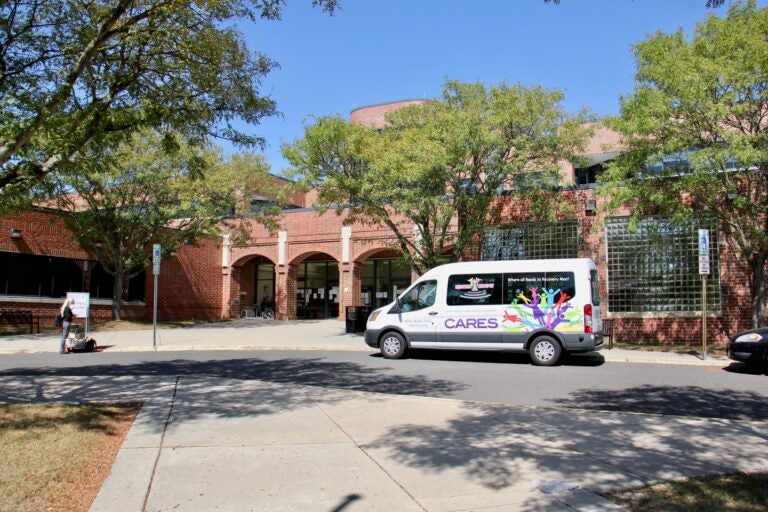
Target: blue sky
376,51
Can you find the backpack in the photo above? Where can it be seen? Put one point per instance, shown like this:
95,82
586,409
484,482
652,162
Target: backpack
57,320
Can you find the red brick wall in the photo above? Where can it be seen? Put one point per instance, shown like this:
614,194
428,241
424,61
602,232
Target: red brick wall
42,232
373,116
190,283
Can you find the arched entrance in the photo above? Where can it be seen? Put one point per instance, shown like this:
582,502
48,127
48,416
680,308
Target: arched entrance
383,275
317,288
255,279
264,283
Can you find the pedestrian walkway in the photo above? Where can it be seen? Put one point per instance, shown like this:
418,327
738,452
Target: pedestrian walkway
203,443
258,334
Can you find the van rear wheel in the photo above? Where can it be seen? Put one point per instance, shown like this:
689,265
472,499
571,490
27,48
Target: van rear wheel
545,351
392,345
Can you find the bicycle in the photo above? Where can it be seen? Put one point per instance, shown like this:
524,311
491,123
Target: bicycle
267,313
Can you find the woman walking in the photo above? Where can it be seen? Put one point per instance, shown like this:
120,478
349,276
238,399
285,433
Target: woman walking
66,322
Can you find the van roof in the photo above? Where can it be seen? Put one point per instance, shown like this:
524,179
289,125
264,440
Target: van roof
511,266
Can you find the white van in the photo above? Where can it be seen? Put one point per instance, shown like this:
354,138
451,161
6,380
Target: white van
543,307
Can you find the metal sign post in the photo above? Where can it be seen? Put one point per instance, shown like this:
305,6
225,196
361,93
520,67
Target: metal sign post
704,272
156,272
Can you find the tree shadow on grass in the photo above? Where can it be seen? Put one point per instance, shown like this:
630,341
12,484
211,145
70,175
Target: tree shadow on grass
85,417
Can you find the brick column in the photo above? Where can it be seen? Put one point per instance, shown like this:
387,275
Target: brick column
350,276
225,291
285,291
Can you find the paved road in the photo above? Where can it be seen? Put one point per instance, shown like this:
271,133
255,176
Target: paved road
580,383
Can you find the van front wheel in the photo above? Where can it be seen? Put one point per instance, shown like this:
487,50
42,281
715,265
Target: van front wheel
392,346
544,351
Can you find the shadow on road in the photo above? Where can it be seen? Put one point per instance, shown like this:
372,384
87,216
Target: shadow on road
478,356
310,372
673,401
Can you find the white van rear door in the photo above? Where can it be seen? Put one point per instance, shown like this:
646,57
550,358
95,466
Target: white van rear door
597,317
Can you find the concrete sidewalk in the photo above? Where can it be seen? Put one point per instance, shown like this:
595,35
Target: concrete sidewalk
204,443
257,334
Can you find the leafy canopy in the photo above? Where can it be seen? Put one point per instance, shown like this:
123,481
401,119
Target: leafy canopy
151,189
75,74
433,175
696,129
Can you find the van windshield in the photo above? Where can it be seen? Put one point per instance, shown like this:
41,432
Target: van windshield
419,297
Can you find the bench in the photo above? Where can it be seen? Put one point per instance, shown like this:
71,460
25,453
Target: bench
608,331
20,318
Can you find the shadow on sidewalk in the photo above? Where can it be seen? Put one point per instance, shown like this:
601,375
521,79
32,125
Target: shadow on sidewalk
498,448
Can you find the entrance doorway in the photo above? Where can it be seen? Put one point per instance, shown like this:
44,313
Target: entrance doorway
382,280
317,290
264,285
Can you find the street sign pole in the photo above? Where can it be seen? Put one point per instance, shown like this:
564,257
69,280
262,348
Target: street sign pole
704,272
156,272
704,314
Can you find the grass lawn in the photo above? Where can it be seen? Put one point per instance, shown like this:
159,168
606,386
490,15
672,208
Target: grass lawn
55,457
742,492
125,325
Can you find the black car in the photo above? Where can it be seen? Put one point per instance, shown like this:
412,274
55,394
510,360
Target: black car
750,347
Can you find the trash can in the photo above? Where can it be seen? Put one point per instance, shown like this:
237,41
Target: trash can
363,312
357,316
351,327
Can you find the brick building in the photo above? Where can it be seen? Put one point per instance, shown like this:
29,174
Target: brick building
314,266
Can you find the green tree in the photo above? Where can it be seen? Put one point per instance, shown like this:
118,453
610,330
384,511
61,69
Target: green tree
147,190
434,174
75,73
702,100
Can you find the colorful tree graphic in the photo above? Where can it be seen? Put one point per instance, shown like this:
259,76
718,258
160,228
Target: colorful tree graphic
542,310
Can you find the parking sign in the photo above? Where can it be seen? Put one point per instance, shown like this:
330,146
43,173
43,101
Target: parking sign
156,259
704,251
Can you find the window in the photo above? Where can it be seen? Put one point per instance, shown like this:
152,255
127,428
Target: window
260,206
545,288
532,180
540,300
655,268
587,176
45,276
672,164
474,289
102,285
419,297
532,241
382,280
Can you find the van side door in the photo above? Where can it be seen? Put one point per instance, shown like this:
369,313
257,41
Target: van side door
471,318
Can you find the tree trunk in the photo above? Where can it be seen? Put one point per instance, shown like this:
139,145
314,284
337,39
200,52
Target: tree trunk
758,291
117,294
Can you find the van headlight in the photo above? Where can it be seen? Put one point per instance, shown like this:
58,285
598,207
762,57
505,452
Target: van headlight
374,315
